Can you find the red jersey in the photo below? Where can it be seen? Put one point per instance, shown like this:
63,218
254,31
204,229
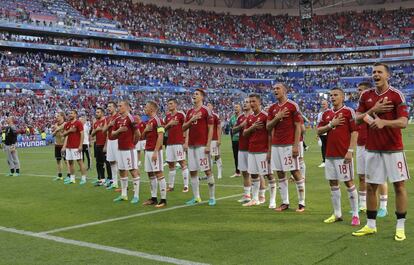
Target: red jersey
126,139
110,129
175,133
141,128
216,123
259,139
100,137
386,139
152,136
362,134
74,138
243,140
339,138
284,130
198,131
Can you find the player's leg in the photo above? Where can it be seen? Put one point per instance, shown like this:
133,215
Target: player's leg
59,169
362,194
300,188
353,201
255,191
272,188
123,177
383,198
171,176
16,161
219,164
111,156
99,165
82,170
9,160
335,197
242,158
193,167
262,190
136,183
71,166
401,200
149,168
284,192
163,189
185,173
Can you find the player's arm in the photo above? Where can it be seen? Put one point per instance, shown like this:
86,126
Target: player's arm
237,128
137,135
302,129
65,142
82,137
278,117
247,132
120,130
298,132
269,150
186,140
400,123
158,144
187,124
336,121
219,130
94,131
209,136
351,148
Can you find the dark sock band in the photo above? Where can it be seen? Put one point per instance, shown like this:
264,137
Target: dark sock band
371,214
400,215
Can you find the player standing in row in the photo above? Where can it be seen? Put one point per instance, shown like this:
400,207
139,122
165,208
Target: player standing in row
285,122
100,143
112,143
125,130
73,132
243,152
199,123
339,124
174,121
154,135
385,110
259,151
86,141
57,133
140,146
216,141
360,155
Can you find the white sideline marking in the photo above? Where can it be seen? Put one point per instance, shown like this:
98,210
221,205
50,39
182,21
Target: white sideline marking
128,216
142,180
102,247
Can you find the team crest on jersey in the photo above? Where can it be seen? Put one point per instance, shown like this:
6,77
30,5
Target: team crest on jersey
369,100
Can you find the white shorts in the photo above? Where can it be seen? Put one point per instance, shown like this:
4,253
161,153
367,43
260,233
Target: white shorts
335,169
140,146
282,159
174,153
154,166
73,154
112,151
198,160
258,164
360,158
243,158
383,166
127,159
215,149
301,150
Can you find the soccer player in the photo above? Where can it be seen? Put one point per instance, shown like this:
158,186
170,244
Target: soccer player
100,142
243,150
325,107
199,123
57,132
259,152
360,154
10,148
73,132
140,146
174,121
385,110
127,134
112,143
154,135
235,139
285,122
85,145
339,123
216,141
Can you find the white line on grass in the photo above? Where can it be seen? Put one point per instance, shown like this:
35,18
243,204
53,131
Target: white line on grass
102,247
142,180
128,217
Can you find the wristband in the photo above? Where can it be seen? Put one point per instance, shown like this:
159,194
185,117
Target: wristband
351,150
330,125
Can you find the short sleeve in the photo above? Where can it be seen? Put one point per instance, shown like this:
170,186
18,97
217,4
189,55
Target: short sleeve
401,106
270,113
322,121
352,124
361,104
79,126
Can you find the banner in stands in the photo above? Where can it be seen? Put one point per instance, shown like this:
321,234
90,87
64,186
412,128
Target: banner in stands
27,144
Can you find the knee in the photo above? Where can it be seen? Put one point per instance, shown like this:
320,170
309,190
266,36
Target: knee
399,187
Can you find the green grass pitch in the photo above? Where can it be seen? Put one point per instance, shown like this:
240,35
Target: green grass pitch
224,234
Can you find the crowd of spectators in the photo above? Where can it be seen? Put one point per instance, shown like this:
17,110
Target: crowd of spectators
345,29
151,49
86,82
